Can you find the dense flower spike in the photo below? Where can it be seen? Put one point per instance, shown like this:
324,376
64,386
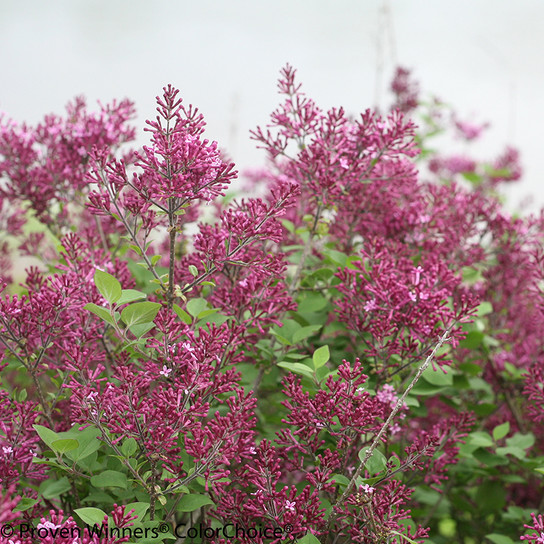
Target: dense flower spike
179,164
402,307
18,442
323,361
405,89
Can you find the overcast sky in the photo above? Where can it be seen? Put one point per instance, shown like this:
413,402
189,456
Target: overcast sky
485,57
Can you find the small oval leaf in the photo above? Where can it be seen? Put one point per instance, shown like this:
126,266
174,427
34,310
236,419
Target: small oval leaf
110,478
109,287
140,312
500,431
91,516
101,312
130,295
64,445
321,356
190,503
196,305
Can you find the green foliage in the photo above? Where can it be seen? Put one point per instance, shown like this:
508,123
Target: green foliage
108,286
139,313
91,516
190,503
377,462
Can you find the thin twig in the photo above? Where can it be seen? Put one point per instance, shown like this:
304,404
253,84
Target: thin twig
378,438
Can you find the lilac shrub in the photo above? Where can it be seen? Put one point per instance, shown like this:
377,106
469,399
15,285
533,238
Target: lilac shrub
356,356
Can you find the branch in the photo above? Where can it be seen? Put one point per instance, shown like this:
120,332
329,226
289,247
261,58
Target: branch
377,439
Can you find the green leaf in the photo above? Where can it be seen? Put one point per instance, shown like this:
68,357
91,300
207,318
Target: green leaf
491,496
497,172
101,312
539,470
393,463
522,441
155,259
206,313
305,332
491,459
499,539
130,295
136,249
64,445
193,270
280,338
47,435
473,177
480,439
321,356
140,312
512,450
471,368
53,489
23,394
426,496
411,401
471,275
91,516
296,356
473,340
289,225
196,305
514,479
438,377
336,257
129,447
308,538
322,373
140,508
490,342
513,371
377,462
500,431
190,503
479,384
484,308
312,302
109,287
213,318
140,329
425,388
25,503
404,537
516,514
183,315
321,274
110,478
339,479
88,442
297,368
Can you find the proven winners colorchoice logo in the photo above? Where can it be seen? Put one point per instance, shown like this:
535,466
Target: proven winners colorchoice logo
49,530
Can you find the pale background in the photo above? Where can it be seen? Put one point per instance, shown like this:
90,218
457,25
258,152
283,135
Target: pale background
485,57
